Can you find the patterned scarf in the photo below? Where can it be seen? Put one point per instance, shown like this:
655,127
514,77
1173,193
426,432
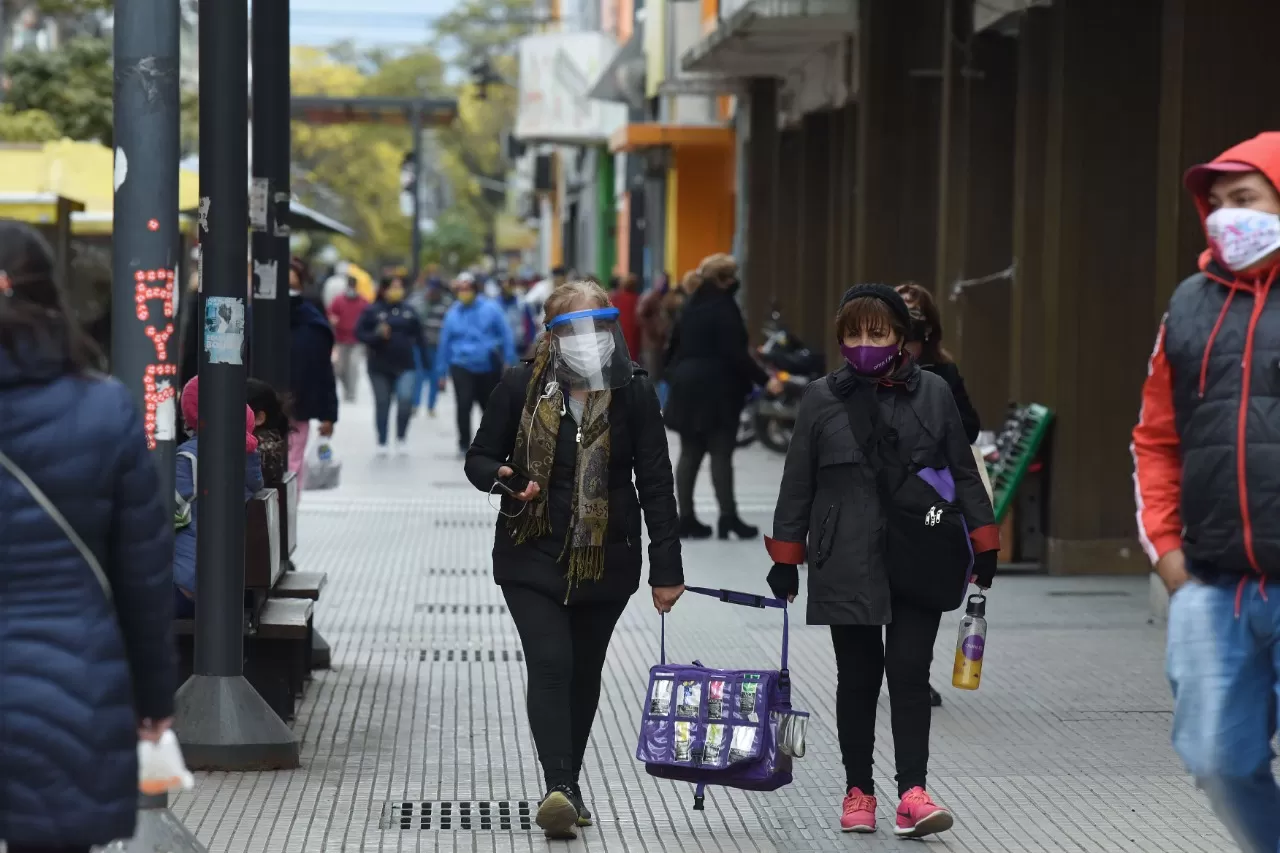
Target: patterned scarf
536,450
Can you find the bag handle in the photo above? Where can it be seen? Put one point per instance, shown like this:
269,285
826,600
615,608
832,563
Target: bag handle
744,599
47,505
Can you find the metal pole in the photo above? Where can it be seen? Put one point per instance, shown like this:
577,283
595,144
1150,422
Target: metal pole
145,243
270,328
222,722
416,261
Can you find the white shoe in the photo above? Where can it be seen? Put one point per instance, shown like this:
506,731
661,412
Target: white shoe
402,448
381,452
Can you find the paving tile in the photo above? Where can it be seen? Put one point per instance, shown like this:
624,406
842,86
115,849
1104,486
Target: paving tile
1065,747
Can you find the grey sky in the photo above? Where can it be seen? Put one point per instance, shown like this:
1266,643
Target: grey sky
368,23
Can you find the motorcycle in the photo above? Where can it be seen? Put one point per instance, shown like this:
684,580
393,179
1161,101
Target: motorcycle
787,359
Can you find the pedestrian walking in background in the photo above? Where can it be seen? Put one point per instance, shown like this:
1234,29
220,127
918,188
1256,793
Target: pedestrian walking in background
564,436
519,316
626,298
391,333
831,500
654,318
711,372
475,344
344,313
1207,472
87,664
313,390
430,303
540,292
924,343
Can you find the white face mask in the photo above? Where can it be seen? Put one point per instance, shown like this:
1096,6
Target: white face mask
1241,237
586,355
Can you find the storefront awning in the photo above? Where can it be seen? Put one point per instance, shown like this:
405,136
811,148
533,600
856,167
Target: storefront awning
634,137
769,38
622,80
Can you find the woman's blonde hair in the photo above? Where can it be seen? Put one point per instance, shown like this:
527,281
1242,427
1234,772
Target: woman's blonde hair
718,267
691,282
564,297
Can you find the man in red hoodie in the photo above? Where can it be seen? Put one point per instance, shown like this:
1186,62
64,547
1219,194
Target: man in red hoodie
344,315
1207,481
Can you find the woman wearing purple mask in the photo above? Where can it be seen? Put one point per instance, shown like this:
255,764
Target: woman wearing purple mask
830,515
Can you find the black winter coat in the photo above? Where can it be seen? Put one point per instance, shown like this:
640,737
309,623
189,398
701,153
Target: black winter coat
394,355
968,414
709,367
311,379
638,444
829,511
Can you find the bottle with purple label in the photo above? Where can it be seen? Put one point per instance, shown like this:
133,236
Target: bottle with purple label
967,674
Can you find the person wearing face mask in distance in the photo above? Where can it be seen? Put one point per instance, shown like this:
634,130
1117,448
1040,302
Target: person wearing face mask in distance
577,436
1206,455
344,313
711,372
312,386
830,499
475,344
392,333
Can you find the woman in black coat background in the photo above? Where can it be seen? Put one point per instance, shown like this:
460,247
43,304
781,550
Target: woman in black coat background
711,372
567,550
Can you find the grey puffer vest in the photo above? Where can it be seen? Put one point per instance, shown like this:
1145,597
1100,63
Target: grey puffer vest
1226,397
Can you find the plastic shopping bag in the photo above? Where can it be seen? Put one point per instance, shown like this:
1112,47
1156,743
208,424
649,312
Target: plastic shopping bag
324,468
982,472
161,769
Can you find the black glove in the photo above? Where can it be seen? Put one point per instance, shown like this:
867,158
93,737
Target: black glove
984,567
784,580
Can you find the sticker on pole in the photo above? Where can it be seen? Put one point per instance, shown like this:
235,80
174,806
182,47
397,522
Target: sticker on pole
224,329
258,197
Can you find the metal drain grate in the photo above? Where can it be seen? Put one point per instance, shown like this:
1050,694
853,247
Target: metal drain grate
464,522
453,573
470,655
461,609
459,816
1087,593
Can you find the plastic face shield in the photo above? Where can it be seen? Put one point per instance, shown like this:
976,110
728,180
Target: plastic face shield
590,352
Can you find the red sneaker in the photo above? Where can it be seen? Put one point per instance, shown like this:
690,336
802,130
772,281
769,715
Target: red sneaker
858,813
919,815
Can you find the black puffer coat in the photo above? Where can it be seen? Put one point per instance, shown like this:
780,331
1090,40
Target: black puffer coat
829,511
638,445
709,367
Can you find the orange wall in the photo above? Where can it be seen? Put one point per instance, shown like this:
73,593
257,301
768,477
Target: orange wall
622,252
626,15
710,14
704,205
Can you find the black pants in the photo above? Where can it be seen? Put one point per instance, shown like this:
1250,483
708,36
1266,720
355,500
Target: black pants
23,849
693,446
564,651
470,389
904,657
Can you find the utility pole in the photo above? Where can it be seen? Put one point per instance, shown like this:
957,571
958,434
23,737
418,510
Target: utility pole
145,245
222,722
415,261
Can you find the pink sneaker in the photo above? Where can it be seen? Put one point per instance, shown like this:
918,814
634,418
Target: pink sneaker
858,813
919,815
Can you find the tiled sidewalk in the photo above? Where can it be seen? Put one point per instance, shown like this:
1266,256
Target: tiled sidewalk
1065,747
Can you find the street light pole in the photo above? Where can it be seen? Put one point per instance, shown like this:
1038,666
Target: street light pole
145,245
415,261
222,722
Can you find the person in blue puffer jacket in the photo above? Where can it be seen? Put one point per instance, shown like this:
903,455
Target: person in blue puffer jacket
185,482
475,344
81,680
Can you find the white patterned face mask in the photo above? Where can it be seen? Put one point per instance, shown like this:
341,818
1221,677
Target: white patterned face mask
1241,237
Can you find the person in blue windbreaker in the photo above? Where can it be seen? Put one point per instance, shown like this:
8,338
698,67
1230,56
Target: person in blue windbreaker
83,675
475,345
186,494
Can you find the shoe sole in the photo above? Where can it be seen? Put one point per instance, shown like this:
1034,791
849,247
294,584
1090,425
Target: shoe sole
585,821
861,829
939,821
557,817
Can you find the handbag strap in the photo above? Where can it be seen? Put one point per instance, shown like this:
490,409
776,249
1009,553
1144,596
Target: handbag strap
870,432
743,599
47,505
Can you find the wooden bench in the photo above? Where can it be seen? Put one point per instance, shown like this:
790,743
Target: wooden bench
278,653
295,584
300,585
288,492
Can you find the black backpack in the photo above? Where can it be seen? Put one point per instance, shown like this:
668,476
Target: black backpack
926,540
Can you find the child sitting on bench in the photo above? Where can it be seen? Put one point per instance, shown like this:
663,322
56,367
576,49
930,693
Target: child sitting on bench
186,492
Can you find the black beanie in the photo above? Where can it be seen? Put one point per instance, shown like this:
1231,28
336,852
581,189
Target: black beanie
885,294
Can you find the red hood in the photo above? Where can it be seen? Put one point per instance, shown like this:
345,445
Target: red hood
1263,154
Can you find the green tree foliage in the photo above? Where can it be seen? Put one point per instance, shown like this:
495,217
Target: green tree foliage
27,125
72,85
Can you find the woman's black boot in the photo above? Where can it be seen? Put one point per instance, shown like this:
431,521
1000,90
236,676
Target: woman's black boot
584,814
732,524
691,528
935,698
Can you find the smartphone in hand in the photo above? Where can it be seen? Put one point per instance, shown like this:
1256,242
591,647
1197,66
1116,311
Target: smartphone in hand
514,484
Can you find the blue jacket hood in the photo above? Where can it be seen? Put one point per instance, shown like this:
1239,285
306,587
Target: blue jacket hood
33,362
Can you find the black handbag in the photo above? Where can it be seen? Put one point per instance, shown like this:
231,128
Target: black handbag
926,540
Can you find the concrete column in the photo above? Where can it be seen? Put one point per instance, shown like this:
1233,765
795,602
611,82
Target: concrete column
812,267
788,228
1100,240
761,172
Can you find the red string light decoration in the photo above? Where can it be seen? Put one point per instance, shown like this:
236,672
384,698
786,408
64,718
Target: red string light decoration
158,383
154,395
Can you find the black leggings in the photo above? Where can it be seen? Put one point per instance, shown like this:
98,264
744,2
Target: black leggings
904,657
693,446
564,652
470,389
25,849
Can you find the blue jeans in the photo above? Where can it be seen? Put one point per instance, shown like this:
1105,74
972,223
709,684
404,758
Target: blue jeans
385,387
426,380
1225,673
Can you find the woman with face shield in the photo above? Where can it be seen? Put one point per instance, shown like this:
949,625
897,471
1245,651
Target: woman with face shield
573,445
